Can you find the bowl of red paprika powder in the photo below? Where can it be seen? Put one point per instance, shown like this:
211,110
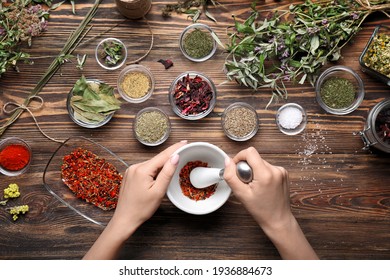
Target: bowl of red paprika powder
15,156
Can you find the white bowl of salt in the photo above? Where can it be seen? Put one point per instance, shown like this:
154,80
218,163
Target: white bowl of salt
291,119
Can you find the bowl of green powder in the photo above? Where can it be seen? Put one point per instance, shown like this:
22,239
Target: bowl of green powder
339,90
197,43
151,126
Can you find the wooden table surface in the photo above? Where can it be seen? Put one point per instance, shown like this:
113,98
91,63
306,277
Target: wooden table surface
340,194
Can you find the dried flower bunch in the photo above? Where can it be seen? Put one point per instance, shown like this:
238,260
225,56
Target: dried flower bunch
292,45
20,21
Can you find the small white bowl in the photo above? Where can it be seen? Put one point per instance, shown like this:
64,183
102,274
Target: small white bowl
215,157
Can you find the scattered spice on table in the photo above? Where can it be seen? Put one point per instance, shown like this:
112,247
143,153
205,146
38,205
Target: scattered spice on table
382,125
240,121
14,157
192,95
12,191
187,188
91,178
377,56
166,62
135,84
18,210
198,43
338,92
290,117
151,126
112,53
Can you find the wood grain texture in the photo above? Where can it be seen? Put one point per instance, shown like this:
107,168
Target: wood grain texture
340,194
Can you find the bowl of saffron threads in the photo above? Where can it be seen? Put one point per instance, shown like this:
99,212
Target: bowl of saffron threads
15,156
197,43
111,53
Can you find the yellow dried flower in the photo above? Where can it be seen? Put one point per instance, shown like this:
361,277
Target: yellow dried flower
12,191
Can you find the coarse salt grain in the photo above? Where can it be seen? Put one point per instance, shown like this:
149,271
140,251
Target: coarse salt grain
290,118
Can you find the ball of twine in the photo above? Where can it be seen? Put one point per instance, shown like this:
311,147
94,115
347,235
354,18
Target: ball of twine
133,9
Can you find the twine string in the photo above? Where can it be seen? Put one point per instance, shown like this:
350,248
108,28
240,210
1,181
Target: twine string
29,109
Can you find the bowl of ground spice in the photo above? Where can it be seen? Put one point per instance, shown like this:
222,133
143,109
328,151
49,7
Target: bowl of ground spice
375,58
135,83
339,90
180,190
196,42
151,126
15,156
240,121
111,53
192,95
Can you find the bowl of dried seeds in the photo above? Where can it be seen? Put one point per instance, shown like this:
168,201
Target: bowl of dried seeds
135,83
240,121
151,126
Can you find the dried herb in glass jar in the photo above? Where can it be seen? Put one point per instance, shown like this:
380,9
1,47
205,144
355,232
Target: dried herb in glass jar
377,56
135,84
151,126
338,92
240,122
382,125
198,44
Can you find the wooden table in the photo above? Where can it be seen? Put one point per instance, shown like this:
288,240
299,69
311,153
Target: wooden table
340,194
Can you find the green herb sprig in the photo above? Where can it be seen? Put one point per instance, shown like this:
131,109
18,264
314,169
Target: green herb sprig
293,45
193,8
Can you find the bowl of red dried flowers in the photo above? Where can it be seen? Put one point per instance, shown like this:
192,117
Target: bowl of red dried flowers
180,190
86,177
15,156
192,95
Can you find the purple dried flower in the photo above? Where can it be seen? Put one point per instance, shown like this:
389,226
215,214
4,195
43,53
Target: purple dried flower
355,16
285,54
324,21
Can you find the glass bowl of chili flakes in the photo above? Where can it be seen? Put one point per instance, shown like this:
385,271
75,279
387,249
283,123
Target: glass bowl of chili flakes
192,95
180,190
85,176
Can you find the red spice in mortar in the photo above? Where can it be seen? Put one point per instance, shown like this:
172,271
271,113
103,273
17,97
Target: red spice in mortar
187,188
91,178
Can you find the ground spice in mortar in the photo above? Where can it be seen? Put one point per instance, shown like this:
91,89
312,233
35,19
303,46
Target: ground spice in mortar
187,188
198,43
151,126
135,84
338,92
240,121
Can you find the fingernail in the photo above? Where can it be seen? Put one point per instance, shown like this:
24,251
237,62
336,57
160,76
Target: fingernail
174,159
183,141
227,161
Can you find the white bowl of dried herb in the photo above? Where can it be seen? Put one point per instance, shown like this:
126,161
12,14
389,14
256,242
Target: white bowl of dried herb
339,90
111,53
135,83
197,43
240,121
151,126
92,103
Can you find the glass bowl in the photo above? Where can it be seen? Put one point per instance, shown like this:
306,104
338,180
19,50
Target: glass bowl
370,51
14,141
80,122
174,94
152,119
187,31
104,59
53,182
294,127
240,121
346,73
133,79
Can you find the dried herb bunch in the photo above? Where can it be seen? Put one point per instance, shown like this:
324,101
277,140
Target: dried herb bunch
20,21
193,8
292,45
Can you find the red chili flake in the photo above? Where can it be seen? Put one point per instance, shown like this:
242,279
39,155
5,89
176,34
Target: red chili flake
192,95
91,178
187,188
